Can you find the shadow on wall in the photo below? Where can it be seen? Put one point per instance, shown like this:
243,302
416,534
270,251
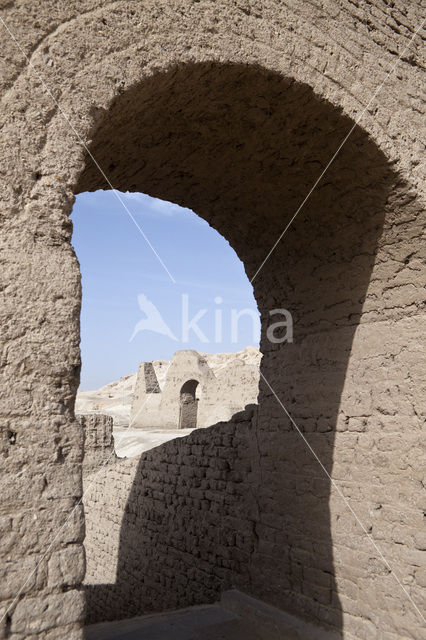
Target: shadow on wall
245,503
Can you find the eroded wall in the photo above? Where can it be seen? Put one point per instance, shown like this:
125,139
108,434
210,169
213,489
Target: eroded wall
98,440
218,396
232,109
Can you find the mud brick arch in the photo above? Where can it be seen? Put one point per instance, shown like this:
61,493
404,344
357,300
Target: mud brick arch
232,109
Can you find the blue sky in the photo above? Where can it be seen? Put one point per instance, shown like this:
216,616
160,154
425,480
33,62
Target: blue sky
117,266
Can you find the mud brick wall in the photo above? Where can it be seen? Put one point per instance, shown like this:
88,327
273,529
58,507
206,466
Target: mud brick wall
170,528
233,109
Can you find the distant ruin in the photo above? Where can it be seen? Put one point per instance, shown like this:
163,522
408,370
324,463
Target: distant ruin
191,395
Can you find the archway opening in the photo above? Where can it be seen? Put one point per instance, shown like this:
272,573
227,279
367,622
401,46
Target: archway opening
188,405
136,318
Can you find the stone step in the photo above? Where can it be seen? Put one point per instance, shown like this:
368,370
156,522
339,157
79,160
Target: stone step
237,617
209,622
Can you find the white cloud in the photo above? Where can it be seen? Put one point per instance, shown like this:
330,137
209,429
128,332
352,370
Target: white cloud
166,208
139,197
156,205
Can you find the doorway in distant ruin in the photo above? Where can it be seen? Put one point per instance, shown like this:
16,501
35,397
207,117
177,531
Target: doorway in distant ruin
188,405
